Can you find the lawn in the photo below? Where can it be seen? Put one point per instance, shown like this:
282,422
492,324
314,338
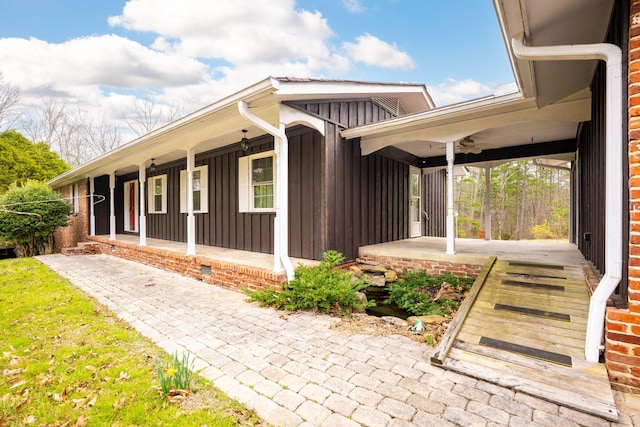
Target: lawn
67,361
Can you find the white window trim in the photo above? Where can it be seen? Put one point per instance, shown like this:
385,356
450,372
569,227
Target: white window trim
245,184
151,188
204,189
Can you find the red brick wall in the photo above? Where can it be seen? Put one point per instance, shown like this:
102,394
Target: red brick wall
622,336
226,274
76,231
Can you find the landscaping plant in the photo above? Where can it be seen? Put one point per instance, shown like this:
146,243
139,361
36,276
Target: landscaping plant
322,288
29,214
175,375
422,293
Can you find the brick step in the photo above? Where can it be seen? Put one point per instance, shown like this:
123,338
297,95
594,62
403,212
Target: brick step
83,248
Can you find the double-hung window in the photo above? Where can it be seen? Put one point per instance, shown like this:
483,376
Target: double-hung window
200,180
257,182
157,191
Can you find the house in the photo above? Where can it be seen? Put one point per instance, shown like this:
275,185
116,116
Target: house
330,164
270,154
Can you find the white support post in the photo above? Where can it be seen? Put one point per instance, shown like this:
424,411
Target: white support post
451,232
191,219
92,213
112,216
142,179
487,212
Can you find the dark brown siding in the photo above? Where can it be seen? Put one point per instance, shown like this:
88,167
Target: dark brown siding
223,225
591,163
434,195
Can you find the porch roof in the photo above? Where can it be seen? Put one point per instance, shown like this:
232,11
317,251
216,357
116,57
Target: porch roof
220,123
547,103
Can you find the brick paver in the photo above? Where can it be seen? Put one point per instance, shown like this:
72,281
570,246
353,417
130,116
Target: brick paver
294,370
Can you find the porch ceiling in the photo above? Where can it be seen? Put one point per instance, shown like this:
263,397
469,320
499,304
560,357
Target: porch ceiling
553,97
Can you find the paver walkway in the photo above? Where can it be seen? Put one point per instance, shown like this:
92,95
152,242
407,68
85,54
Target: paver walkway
294,370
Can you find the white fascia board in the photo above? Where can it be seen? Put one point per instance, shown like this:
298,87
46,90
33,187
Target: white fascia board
450,112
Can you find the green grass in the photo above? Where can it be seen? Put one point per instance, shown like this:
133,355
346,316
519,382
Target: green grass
67,361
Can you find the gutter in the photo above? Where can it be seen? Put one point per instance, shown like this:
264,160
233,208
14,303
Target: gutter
612,56
281,228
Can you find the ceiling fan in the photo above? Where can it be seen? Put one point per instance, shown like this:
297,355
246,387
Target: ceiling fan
468,146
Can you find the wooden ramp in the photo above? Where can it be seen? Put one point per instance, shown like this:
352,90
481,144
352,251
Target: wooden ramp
523,326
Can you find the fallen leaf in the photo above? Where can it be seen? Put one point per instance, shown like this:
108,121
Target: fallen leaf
80,422
91,368
10,372
92,402
30,419
123,376
22,404
119,404
18,384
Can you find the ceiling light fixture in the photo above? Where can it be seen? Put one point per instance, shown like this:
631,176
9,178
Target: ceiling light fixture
244,142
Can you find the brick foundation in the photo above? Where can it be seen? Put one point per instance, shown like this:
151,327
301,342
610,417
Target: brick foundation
433,267
226,274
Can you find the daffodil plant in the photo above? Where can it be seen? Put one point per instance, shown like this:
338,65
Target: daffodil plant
177,374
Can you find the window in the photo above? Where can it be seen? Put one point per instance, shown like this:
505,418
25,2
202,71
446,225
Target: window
200,186
256,182
157,191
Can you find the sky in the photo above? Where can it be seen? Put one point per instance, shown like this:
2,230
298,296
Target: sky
97,57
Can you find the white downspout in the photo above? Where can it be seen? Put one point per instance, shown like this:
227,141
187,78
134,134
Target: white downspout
281,226
612,55
451,232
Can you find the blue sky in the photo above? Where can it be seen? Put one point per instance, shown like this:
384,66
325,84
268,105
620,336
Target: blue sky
100,55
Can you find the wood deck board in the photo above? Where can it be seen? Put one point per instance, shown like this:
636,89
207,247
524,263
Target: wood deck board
583,386
504,374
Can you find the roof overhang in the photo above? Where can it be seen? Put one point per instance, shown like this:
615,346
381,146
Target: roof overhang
220,124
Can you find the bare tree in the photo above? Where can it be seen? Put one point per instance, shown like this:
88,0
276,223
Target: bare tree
10,108
148,114
76,137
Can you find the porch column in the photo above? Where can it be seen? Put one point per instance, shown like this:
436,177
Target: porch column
191,219
487,213
112,217
92,213
142,178
451,232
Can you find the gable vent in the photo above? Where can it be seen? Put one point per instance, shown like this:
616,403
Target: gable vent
392,104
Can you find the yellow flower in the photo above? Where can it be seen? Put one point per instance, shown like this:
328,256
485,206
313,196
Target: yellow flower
171,372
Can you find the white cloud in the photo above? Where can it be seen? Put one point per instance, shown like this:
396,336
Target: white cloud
452,91
238,31
202,50
353,6
371,50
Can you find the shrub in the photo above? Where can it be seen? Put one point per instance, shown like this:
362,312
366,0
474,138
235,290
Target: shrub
422,294
29,214
322,288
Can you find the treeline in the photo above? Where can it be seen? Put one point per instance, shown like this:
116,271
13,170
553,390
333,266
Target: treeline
527,201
